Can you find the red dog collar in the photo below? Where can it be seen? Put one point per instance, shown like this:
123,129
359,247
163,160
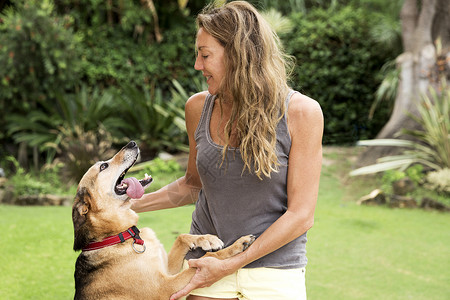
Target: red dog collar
131,232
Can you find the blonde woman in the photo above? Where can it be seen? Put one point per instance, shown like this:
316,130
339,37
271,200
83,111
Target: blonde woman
254,162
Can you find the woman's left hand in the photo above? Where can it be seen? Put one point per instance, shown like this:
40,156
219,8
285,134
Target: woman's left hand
209,271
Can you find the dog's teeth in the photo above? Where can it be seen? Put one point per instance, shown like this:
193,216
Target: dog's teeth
124,185
146,176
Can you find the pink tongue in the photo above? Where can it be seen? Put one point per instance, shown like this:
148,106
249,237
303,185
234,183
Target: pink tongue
135,189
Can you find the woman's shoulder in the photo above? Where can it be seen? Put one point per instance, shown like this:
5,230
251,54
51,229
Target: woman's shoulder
304,107
196,102
193,109
304,112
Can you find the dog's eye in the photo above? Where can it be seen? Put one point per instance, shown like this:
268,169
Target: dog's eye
103,166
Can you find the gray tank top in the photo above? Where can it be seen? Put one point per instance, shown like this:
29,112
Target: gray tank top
232,204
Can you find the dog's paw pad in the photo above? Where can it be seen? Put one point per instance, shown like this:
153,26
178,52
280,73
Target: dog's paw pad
210,243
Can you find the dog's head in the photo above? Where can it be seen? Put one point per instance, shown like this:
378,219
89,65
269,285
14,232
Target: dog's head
101,206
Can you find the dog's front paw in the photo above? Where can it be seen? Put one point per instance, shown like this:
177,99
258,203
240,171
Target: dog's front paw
246,241
208,242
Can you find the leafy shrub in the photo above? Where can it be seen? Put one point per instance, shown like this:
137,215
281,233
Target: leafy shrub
39,58
126,51
439,181
154,123
45,128
434,119
25,183
38,55
303,6
162,171
338,65
80,149
389,177
414,173
430,145
127,113
157,166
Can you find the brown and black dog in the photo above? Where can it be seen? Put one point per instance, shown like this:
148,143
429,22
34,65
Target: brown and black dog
101,212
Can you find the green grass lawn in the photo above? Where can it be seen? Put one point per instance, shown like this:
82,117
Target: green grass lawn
354,252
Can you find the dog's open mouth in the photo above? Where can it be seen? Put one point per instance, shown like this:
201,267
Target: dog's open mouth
131,186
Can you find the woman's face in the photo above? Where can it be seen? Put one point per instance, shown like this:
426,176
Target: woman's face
210,60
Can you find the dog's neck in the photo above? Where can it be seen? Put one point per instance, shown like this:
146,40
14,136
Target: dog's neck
100,228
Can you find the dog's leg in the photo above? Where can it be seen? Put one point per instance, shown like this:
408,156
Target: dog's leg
184,243
237,247
208,242
176,282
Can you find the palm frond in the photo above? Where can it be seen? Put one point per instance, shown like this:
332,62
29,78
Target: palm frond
279,23
431,146
386,142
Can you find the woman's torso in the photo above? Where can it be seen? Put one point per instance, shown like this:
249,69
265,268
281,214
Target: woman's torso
233,203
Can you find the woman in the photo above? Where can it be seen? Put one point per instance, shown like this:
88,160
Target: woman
254,161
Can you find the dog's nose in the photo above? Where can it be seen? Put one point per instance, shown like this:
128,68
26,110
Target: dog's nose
131,145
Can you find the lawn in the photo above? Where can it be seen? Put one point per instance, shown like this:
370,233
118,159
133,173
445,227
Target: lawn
354,252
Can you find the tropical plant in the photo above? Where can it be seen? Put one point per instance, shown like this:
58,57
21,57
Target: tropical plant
387,33
387,90
80,149
154,123
42,127
430,145
180,95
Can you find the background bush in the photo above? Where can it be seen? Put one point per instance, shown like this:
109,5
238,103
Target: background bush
39,57
112,57
102,64
45,128
338,64
120,46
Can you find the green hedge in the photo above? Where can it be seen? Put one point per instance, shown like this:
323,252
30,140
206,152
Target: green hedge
39,56
120,45
338,64
47,50
112,57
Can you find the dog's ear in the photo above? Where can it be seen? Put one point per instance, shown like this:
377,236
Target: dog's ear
79,211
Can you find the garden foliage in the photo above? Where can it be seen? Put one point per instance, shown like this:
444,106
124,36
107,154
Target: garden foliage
338,64
429,145
120,45
39,57
70,67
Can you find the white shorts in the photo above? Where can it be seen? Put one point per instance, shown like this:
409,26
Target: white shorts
258,284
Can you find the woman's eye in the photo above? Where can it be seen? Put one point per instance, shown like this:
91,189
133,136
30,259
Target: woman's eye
205,56
103,166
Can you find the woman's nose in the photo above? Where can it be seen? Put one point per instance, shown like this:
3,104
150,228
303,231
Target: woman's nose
198,64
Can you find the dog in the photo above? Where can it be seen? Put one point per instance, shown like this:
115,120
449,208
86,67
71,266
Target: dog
117,260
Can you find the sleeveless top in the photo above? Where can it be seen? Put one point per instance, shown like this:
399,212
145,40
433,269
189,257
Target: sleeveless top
232,204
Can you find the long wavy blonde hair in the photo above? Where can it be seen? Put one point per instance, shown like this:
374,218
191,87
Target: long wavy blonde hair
255,80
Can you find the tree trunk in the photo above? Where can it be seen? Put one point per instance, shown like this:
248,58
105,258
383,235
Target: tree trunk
418,64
